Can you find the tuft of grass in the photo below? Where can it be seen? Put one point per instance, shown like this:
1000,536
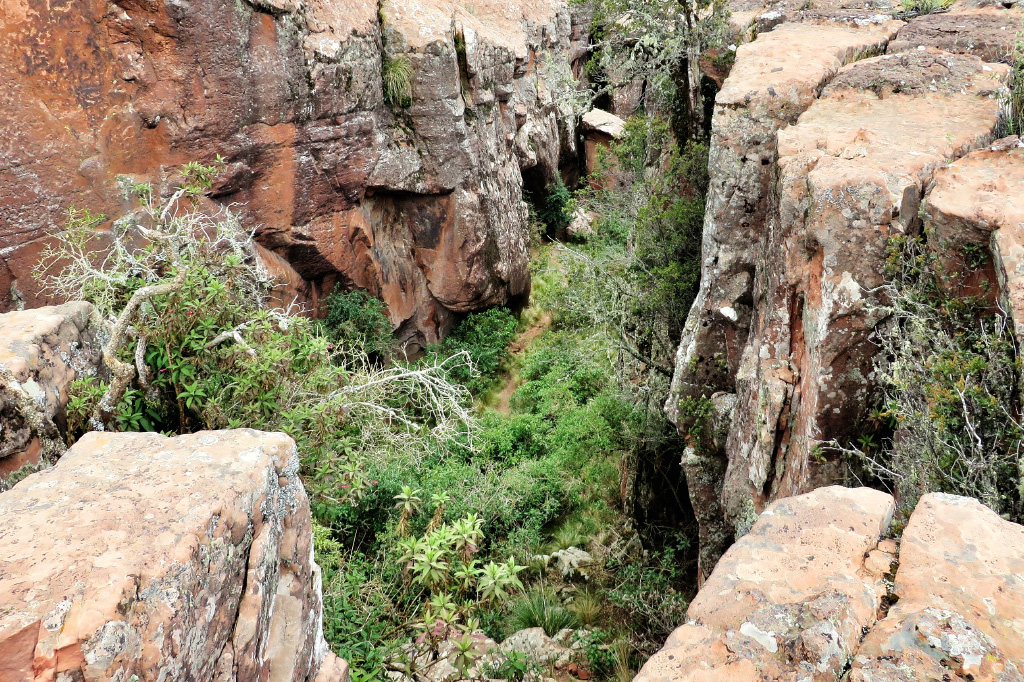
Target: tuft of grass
396,76
568,535
920,7
587,606
539,609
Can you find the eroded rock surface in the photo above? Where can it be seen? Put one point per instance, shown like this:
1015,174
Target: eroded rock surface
814,165
806,596
775,79
42,351
417,199
790,599
139,556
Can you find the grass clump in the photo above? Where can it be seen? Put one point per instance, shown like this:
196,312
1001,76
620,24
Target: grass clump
539,609
396,78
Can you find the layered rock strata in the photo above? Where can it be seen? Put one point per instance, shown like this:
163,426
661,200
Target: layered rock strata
815,592
814,165
414,194
139,556
42,352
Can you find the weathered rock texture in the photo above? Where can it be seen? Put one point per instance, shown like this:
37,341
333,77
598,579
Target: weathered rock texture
806,596
978,202
814,165
420,204
41,352
139,556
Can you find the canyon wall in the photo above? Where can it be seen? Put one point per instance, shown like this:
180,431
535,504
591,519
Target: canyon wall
826,138
415,195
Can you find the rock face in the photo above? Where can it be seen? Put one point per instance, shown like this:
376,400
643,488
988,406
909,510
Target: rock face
804,596
139,556
41,352
813,165
414,194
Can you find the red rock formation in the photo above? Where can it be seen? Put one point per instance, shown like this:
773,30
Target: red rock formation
421,205
139,556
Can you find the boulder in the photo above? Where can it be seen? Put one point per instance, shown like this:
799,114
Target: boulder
538,647
139,556
789,600
960,608
416,196
42,352
988,33
811,593
975,212
599,129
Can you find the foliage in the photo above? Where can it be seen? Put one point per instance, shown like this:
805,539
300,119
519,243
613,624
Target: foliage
540,609
950,373
659,42
1014,104
396,77
587,605
648,592
484,337
557,209
360,320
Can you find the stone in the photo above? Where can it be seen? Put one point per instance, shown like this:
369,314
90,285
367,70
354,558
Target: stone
790,599
798,599
582,224
571,561
606,123
987,33
420,205
42,351
977,202
775,79
961,599
139,556
537,646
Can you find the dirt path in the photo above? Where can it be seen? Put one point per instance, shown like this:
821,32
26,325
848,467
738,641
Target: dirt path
519,344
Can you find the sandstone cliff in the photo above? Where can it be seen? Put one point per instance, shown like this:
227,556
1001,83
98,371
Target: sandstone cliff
815,591
826,138
415,196
142,557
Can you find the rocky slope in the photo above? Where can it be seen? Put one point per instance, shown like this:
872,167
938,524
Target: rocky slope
118,563
418,199
826,138
816,592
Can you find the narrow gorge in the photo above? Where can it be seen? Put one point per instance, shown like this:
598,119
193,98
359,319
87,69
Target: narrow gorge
535,341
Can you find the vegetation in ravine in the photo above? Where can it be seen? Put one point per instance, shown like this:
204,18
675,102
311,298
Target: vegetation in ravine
430,507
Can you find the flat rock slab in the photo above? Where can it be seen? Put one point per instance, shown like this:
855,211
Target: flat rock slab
186,558
985,33
792,594
960,613
978,201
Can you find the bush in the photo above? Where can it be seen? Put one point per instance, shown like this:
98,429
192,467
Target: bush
485,337
359,321
556,213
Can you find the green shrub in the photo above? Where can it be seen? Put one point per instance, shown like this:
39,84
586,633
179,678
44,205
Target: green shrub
485,336
650,592
556,213
396,77
358,320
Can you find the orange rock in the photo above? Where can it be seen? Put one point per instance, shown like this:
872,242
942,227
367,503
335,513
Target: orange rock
162,558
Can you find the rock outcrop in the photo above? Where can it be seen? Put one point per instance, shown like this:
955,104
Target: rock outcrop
414,194
41,352
139,556
820,152
815,592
